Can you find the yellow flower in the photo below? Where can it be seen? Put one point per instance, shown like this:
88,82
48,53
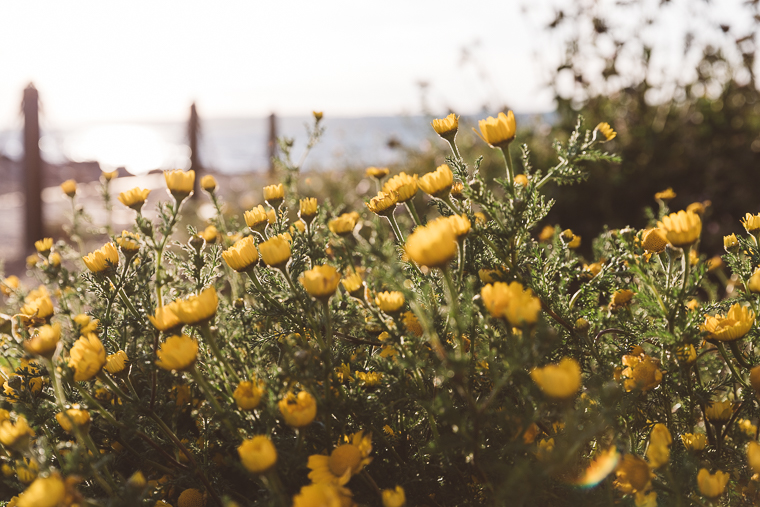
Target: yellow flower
109,175
343,462
38,304
308,209
498,132
383,203
682,229
712,485
754,378
32,260
271,216
714,263
43,246
26,470
686,354
275,251
298,411
44,492
665,195
208,183
180,184
558,381
390,302
544,449
412,324
178,352
753,284
446,127
654,240
209,234
730,327
196,309
510,301
606,131
621,298
437,183
642,373
377,172
632,474
694,441
117,363
403,184
433,245
460,224
248,394
698,207
87,357
102,260
45,341
320,281
522,180
746,426
396,497
257,454
191,498
274,195
165,318
547,233
15,434
575,242
344,224
321,495
256,219
129,243
10,284
69,187
134,198
457,190
659,446
353,284
370,379
719,412
86,323
242,255
751,223
73,417
753,456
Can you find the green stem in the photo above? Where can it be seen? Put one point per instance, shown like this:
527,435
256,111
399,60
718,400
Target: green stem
211,342
160,254
209,392
730,365
510,167
454,149
413,211
451,204
327,352
395,227
453,300
461,245
734,346
103,377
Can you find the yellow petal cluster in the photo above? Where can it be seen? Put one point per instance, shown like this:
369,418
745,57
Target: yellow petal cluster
446,127
511,301
394,497
208,183
73,417
632,474
606,131
134,198
753,456
719,412
751,223
44,245
275,252
733,326
344,461
256,218
390,301
437,183
712,485
165,318
499,131
196,309
377,172
383,203
87,357
344,224
298,410
117,362
433,245
69,187
558,381
403,184
682,229
38,304
178,352
320,281
13,433
308,208
242,255
248,394
642,372
44,492
658,451
107,257
654,240
694,441
257,454
179,183
274,194
44,342
129,243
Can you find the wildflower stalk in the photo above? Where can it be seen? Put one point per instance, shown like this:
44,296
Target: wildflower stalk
453,299
103,377
734,373
209,394
734,346
510,167
451,204
160,252
454,149
413,211
327,352
395,227
211,342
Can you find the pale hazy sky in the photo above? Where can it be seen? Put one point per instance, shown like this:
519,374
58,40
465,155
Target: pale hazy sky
96,60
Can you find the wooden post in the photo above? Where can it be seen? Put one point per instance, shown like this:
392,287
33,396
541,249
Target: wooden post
193,132
272,143
33,226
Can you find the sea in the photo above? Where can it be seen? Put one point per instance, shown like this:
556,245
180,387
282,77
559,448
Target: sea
228,145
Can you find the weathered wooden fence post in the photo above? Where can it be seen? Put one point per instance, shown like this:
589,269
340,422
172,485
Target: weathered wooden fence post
33,226
272,143
193,132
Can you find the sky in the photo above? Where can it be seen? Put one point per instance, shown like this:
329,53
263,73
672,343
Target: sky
95,61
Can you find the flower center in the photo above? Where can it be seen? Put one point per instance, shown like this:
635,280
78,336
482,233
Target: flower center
344,457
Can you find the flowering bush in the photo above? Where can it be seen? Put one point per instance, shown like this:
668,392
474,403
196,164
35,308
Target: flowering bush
329,357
